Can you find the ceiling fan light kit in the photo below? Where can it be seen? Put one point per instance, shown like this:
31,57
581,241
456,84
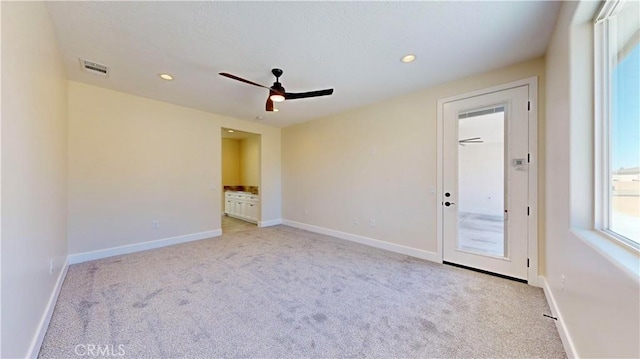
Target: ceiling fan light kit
277,93
276,97
269,107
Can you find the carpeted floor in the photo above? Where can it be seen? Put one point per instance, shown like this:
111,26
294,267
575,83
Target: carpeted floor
280,292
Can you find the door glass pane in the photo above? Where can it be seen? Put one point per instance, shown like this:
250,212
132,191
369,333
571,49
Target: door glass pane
481,178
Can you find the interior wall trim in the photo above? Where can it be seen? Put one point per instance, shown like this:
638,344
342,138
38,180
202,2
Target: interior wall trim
138,247
391,247
565,336
36,342
269,223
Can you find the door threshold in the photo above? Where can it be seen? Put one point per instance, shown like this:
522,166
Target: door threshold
486,272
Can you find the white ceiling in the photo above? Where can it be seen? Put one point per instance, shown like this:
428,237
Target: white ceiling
236,135
353,47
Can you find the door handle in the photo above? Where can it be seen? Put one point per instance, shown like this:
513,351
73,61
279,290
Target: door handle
448,203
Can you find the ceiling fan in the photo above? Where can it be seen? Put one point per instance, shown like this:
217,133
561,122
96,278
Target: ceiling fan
470,140
277,92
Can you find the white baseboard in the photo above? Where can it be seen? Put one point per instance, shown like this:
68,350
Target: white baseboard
396,248
273,222
138,247
569,348
36,342
242,218
534,281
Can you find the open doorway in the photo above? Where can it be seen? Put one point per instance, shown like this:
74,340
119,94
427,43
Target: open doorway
240,180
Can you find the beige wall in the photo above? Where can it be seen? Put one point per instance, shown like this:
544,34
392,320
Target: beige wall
250,161
241,161
133,160
599,304
34,170
330,177
230,162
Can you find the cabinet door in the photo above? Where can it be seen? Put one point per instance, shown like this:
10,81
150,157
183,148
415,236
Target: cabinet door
252,211
234,207
240,208
227,206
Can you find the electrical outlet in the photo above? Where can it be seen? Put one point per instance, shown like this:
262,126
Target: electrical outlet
372,151
372,222
356,221
155,224
562,279
306,211
51,266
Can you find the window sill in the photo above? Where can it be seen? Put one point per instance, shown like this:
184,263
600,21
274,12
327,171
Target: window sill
623,257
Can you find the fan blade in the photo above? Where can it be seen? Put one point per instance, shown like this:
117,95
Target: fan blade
234,77
471,139
269,105
293,96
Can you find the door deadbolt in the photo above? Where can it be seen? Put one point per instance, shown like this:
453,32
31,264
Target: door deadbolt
447,194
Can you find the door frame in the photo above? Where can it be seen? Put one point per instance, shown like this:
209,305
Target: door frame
532,219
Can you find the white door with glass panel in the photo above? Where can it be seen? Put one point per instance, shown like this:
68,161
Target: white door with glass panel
485,182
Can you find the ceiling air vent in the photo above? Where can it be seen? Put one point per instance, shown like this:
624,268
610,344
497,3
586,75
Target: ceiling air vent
94,68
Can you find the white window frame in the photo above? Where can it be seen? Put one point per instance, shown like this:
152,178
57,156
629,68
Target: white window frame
602,171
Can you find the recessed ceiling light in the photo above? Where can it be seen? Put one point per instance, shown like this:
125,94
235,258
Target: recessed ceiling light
166,77
259,118
408,58
231,131
275,110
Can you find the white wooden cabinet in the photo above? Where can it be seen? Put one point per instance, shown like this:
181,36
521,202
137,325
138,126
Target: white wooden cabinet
229,205
251,210
241,205
240,208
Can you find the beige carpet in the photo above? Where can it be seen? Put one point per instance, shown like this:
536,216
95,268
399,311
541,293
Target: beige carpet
280,292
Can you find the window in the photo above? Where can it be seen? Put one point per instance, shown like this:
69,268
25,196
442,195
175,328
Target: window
618,120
